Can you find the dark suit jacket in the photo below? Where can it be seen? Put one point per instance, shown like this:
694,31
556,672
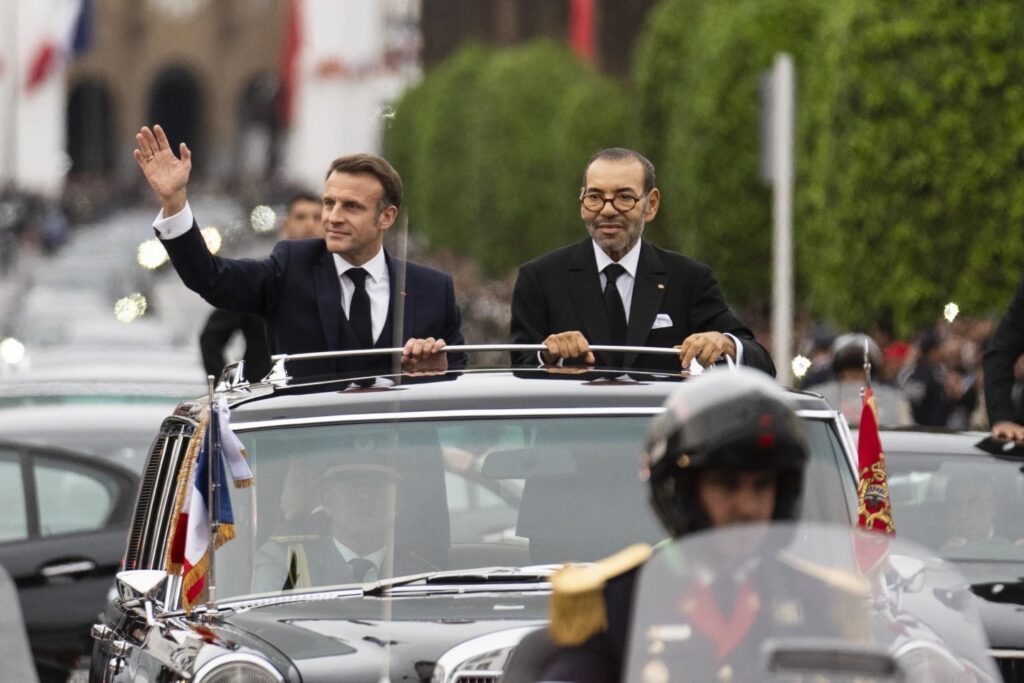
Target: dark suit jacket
297,292
219,328
1005,347
273,562
561,291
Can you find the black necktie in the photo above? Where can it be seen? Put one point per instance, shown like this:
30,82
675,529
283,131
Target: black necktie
359,309
361,567
613,304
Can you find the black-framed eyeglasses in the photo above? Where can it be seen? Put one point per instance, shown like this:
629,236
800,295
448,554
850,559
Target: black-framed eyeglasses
621,201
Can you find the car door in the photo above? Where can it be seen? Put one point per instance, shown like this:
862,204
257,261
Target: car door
62,539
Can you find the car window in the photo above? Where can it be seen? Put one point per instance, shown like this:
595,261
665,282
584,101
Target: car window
14,520
453,494
72,499
825,483
966,508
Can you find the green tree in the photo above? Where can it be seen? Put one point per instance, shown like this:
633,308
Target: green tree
716,208
496,142
913,190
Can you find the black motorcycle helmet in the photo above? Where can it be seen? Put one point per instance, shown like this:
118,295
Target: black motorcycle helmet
848,352
723,420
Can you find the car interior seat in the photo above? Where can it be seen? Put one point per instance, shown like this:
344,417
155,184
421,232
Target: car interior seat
588,514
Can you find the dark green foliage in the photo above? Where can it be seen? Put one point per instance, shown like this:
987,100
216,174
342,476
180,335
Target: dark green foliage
715,207
434,144
495,143
661,57
914,191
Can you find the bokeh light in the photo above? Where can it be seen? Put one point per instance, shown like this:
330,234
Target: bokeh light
950,311
800,365
152,254
12,351
213,239
263,219
130,308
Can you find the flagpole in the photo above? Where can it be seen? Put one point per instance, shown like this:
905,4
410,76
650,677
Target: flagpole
212,485
867,365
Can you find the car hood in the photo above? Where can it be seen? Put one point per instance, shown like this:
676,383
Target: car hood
368,638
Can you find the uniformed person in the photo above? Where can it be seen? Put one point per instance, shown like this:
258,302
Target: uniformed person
728,450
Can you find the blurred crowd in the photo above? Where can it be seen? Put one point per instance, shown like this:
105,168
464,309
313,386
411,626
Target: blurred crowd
933,379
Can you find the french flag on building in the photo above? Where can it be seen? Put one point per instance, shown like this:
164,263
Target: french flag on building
189,551
69,34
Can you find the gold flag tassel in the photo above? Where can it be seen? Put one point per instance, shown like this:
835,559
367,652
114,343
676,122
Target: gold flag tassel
185,476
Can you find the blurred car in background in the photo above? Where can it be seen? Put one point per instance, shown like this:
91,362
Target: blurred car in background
105,402
62,532
966,505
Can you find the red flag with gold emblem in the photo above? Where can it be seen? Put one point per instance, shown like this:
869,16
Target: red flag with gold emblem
874,509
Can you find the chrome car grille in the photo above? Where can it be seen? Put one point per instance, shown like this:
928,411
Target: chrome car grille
477,677
151,520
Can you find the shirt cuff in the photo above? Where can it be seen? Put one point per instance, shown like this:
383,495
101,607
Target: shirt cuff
174,226
739,348
541,363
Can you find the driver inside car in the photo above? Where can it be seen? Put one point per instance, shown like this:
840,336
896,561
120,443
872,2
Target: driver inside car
350,537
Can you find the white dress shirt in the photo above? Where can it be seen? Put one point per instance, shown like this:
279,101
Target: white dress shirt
625,282
378,286
378,282
377,557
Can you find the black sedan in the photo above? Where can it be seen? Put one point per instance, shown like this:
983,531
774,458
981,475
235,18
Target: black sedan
62,535
403,528
966,505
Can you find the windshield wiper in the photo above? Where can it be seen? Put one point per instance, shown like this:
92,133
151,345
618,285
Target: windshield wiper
476,576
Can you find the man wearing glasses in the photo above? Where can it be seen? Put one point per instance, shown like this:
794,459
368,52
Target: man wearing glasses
616,289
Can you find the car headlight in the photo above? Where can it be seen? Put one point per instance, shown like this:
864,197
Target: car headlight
238,668
925,661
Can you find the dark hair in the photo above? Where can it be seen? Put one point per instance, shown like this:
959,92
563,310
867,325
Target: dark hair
302,196
623,154
378,168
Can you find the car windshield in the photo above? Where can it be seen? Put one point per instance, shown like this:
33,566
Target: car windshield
343,504
966,508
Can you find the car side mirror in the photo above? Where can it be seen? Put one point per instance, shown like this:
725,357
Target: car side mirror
910,570
140,584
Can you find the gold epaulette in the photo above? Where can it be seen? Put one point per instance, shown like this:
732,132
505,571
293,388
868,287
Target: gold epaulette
577,595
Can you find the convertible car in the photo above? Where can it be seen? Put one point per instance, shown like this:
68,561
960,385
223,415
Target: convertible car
402,527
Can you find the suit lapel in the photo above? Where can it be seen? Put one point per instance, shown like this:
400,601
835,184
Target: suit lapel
328,297
648,292
585,291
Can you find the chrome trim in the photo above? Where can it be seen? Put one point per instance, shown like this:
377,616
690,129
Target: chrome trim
1006,654
77,567
242,657
444,415
489,642
239,604
232,376
468,348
